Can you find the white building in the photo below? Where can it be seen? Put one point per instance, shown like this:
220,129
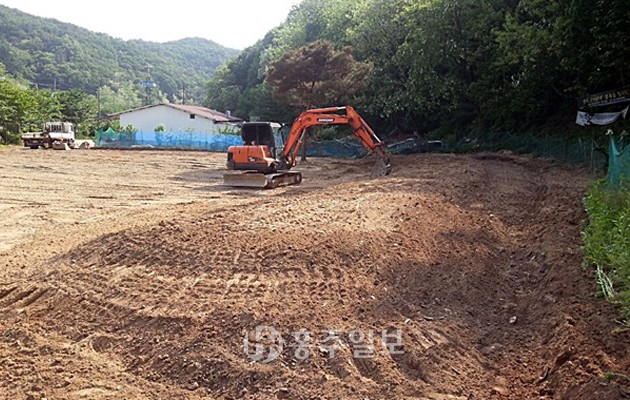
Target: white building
176,118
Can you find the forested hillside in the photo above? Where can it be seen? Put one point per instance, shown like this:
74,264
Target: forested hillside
445,65
50,54
429,66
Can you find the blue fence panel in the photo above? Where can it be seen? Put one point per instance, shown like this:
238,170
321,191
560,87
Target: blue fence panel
168,140
217,142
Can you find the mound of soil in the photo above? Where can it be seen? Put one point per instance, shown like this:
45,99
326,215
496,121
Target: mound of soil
456,277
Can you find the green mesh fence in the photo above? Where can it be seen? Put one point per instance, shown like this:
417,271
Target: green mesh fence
618,162
589,152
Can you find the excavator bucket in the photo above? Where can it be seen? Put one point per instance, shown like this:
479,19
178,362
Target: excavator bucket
255,179
381,168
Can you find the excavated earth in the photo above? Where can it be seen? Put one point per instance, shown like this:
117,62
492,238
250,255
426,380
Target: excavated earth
136,275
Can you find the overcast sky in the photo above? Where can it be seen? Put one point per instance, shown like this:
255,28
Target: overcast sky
232,23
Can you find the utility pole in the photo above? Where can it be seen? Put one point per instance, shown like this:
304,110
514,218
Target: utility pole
98,112
148,85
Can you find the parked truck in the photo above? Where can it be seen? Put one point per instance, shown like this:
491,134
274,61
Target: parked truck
61,133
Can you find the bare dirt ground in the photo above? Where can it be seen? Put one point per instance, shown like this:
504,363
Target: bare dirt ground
136,275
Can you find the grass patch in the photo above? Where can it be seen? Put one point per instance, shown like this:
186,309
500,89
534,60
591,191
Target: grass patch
606,240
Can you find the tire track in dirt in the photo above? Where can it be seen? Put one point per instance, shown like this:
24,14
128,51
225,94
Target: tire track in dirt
446,250
291,268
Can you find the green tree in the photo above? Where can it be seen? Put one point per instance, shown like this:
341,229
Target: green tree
258,102
79,108
380,31
236,80
221,95
312,20
17,106
116,99
551,52
48,107
9,105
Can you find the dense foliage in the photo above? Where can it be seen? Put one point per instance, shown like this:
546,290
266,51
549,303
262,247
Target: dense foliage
316,74
239,86
455,65
54,55
607,241
24,108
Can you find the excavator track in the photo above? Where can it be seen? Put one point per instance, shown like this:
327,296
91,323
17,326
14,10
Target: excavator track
255,179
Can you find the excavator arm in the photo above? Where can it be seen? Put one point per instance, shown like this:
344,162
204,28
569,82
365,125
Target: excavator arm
330,116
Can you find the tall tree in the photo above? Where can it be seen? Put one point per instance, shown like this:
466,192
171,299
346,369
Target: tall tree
317,75
22,108
117,99
78,107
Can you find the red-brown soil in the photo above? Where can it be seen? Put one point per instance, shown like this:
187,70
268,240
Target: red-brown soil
136,275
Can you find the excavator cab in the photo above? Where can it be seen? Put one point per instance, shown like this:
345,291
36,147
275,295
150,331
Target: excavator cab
256,158
259,133
258,151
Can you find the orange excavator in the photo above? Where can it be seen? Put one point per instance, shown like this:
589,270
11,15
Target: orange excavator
256,157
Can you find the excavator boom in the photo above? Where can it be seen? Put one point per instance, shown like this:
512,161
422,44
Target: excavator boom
330,116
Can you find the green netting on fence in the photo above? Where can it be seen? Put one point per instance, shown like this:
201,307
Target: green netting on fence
618,162
590,152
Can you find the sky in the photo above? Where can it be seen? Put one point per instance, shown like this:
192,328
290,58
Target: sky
231,23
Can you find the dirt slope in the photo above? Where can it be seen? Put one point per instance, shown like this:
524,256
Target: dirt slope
474,259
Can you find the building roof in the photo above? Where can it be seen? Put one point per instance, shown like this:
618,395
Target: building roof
203,112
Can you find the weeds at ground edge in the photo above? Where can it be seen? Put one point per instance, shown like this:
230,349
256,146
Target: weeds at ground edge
606,241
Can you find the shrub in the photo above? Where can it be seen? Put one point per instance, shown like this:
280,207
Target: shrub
7,137
607,241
